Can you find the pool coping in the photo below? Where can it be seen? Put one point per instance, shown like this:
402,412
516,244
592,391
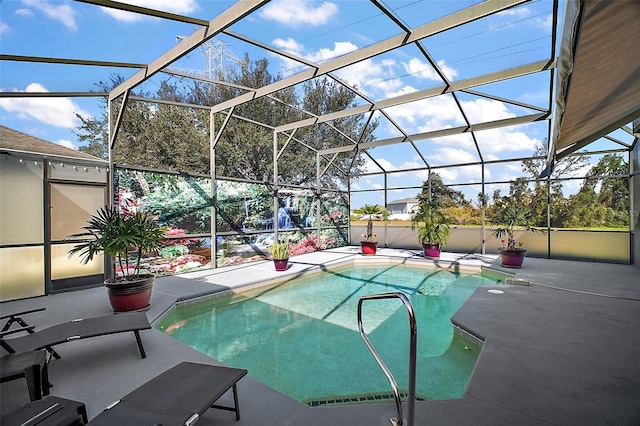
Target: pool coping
475,266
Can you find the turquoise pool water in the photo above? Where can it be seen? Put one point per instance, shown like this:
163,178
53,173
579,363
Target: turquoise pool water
302,338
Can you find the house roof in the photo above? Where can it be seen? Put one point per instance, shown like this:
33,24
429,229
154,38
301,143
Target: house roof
403,201
14,140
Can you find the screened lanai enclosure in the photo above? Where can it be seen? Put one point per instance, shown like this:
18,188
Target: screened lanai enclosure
239,123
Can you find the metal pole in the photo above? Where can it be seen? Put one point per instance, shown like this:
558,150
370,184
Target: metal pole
275,186
213,189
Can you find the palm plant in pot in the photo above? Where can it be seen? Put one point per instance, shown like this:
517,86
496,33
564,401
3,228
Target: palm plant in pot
120,235
368,244
432,224
280,253
507,222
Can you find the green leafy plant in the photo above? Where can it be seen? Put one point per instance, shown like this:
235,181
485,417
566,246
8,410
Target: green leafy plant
280,250
173,251
431,222
371,212
508,220
116,235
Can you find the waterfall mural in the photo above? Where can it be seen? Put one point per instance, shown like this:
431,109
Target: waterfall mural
244,213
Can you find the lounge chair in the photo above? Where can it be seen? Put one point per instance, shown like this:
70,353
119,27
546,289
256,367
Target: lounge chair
17,318
50,411
32,366
74,330
179,396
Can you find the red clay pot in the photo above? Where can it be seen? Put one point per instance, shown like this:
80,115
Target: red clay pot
126,296
369,248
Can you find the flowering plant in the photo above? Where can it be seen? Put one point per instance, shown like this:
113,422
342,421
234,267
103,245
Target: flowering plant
369,237
511,245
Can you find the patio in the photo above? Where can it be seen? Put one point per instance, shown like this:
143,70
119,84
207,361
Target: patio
560,351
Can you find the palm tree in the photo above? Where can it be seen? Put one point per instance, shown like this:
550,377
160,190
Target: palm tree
371,212
431,222
511,218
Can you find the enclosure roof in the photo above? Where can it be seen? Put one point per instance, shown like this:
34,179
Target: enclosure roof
450,83
599,72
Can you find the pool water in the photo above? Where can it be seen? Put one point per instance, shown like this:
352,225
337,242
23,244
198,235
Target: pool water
302,338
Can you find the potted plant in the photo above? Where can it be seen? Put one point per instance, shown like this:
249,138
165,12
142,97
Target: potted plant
280,253
432,225
368,244
120,235
512,254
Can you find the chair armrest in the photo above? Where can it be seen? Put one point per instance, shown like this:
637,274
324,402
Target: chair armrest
21,313
43,415
17,330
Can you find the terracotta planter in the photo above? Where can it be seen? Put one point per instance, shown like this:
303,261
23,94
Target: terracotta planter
431,250
281,264
126,296
512,258
369,248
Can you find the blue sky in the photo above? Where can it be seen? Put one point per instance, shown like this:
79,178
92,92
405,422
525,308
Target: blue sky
316,31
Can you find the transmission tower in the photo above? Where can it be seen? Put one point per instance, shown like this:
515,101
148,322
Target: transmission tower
216,55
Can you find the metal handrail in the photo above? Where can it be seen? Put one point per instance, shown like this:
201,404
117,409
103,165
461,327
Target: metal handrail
412,355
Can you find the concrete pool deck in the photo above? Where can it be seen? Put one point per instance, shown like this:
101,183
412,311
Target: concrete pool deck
563,350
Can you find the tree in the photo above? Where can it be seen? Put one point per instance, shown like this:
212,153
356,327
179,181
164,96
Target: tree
603,199
439,190
297,164
537,197
453,203
566,166
157,135
95,131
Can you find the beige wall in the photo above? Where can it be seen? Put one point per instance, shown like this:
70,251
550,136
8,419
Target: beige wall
602,246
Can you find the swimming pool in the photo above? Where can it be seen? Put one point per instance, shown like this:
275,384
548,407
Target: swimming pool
301,337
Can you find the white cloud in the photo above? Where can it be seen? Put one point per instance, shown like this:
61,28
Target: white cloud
546,24
180,7
59,112
371,167
66,144
449,72
58,12
24,12
3,27
289,45
449,155
427,114
297,13
483,110
518,12
339,48
370,76
506,139
420,69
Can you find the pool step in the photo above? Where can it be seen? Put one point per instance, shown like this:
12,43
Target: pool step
357,399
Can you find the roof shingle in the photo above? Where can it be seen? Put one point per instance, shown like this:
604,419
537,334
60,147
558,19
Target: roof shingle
18,141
